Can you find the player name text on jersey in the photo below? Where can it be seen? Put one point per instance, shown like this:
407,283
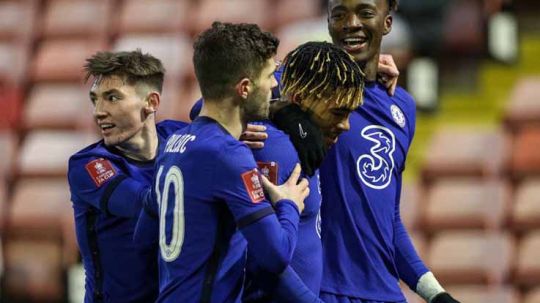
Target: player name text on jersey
177,143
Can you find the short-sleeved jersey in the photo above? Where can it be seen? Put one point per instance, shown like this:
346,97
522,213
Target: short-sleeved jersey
362,232
107,190
277,160
206,186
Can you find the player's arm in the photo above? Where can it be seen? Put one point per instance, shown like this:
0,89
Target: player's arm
98,182
272,239
287,287
147,228
411,268
271,232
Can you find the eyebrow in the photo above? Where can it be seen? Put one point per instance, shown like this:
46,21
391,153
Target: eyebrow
106,93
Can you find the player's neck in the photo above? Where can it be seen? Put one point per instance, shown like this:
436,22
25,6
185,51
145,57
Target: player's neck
226,113
370,68
143,145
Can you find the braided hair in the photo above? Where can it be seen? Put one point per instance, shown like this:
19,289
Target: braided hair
325,71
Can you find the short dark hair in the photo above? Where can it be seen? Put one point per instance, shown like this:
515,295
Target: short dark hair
133,66
226,52
393,5
325,71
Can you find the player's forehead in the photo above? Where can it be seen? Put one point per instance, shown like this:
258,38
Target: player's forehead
269,65
102,84
352,4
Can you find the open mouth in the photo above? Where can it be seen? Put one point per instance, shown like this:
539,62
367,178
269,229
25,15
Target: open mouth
354,44
106,127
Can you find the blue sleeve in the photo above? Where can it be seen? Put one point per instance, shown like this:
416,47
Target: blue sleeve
271,235
147,228
105,187
272,239
291,288
285,287
410,266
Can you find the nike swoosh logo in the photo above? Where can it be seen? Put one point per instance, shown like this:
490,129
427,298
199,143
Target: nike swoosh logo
303,134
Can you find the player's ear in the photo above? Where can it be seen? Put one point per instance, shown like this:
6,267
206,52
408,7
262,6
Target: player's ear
296,98
387,24
152,102
243,88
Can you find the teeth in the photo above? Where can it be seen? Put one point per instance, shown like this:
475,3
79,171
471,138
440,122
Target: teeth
354,40
106,126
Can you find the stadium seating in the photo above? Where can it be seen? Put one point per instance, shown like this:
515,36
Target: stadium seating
528,263
3,208
471,257
81,18
466,204
523,107
8,148
249,11
174,50
463,30
13,62
168,16
62,60
462,151
39,208
33,271
58,106
287,12
17,20
45,153
177,99
526,207
525,156
411,204
483,294
294,34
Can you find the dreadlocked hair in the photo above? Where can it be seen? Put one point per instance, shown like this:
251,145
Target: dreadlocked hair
325,71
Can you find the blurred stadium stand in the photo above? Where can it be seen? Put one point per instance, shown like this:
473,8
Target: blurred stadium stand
471,199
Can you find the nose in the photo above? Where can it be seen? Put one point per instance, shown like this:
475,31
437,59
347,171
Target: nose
344,125
352,22
99,110
274,82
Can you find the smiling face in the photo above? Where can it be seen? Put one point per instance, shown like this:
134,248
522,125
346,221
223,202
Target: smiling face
331,118
119,109
358,26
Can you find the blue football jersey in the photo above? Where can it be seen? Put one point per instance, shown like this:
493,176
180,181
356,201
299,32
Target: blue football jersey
277,160
107,190
366,248
207,187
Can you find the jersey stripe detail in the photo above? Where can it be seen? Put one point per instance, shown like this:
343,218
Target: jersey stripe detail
246,220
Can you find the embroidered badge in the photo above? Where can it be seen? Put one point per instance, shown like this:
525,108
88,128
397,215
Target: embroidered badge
269,170
253,185
100,170
398,115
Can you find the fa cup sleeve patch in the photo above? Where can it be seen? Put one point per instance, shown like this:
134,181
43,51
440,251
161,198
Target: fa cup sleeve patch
253,185
100,170
269,170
